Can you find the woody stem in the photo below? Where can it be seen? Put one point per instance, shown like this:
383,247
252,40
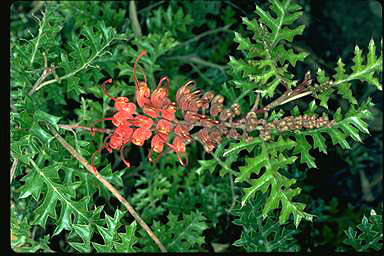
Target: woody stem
109,186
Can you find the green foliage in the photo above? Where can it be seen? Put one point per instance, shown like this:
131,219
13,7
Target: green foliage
266,58
272,160
174,21
363,72
348,126
112,238
260,235
368,234
21,238
266,73
153,187
181,233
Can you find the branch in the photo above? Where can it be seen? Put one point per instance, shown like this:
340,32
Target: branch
47,71
224,29
135,21
234,197
198,60
290,95
37,86
72,126
109,186
41,25
13,168
151,7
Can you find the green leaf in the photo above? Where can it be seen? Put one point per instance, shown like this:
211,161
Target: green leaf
302,147
360,71
279,185
128,239
48,177
209,165
84,232
319,142
112,238
338,138
41,115
179,234
266,58
368,236
253,165
262,235
344,88
21,235
152,188
287,13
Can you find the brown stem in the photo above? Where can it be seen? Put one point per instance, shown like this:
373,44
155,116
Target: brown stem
109,186
290,95
255,106
13,168
70,127
47,71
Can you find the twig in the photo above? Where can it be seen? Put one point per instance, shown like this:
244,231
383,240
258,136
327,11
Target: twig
37,6
70,127
233,193
204,77
151,6
221,29
290,95
47,71
39,86
237,7
41,26
198,60
365,187
255,106
377,180
135,21
13,168
109,186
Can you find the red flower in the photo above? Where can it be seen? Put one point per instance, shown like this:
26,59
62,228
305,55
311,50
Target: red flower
140,135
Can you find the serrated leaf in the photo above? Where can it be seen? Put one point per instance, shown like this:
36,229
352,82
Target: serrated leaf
266,58
275,181
319,142
260,235
338,138
360,124
348,129
178,234
235,148
206,165
84,232
252,165
128,239
370,234
41,115
302,147
55,192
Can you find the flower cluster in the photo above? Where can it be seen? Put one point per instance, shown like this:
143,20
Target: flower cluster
135,128
198,109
